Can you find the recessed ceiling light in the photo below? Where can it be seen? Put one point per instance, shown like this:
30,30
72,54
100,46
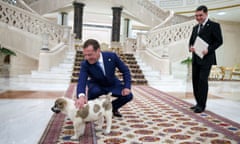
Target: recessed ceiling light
221,13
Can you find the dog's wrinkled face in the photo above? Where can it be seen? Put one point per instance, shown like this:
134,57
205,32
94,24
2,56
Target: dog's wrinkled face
59,105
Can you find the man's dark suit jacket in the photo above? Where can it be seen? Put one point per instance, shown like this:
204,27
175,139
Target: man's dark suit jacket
211,33
90,73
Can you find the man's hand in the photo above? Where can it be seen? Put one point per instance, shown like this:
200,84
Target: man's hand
205,52
126,91
79,103
191,49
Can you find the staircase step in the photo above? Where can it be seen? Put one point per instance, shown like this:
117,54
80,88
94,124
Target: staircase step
137,74
40,79
60,74
68,61
45,76
51,73
17,83
67,66
156,80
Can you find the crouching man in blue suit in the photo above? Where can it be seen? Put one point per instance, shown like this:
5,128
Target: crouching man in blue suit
98,74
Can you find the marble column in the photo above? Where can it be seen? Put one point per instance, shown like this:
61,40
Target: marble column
126,30
63,18
78,19
116,23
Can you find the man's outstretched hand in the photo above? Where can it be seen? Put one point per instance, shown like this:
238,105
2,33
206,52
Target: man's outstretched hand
79,103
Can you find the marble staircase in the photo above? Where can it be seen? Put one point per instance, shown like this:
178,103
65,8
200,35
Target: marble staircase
57,74
138,77
157,80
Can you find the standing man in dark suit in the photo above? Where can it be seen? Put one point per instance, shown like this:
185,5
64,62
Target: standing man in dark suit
210,32
98,74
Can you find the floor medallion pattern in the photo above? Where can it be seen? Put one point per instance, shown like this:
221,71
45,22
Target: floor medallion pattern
154,117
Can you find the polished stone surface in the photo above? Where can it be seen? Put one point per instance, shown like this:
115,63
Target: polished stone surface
23,119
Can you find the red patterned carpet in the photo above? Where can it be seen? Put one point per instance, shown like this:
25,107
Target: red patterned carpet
153,117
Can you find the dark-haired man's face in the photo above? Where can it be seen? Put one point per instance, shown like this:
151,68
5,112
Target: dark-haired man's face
200,16
91,55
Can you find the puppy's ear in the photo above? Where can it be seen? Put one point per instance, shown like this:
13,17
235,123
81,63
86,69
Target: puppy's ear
109,94
61,103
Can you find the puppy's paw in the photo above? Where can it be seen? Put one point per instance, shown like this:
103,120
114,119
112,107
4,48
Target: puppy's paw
74,137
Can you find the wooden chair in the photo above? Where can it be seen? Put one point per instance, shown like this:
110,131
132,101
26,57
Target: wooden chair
236,72
216,73
227,73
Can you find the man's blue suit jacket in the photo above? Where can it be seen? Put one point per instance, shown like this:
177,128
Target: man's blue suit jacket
90,73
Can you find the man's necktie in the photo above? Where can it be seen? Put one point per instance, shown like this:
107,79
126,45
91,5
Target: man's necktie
200,27
101,67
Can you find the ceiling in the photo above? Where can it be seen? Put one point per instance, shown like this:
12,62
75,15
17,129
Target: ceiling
230,14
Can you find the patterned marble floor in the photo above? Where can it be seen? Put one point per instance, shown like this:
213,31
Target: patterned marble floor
23,120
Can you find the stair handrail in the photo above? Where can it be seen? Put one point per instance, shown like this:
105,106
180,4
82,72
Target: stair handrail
164,22
143,11
46,6
162,37
29,22
28,2
23,5
157,11
48,59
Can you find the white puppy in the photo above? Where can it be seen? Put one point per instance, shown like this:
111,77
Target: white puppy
94,110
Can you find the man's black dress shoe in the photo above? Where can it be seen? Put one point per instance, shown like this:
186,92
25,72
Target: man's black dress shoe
193,107
117,114
198,110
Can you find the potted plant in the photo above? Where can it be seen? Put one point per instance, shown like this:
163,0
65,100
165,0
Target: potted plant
5,52
188,62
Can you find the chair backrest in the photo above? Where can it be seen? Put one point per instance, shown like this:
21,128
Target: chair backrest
227,72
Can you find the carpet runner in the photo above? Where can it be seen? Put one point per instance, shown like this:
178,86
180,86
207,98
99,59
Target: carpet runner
153,117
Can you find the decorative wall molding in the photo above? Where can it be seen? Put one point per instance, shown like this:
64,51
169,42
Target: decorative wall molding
190,2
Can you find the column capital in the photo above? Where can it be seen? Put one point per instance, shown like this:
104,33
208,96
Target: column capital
117,8
63,12
80,4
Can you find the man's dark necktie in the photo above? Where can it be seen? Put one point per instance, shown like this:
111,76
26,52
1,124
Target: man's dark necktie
200,27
